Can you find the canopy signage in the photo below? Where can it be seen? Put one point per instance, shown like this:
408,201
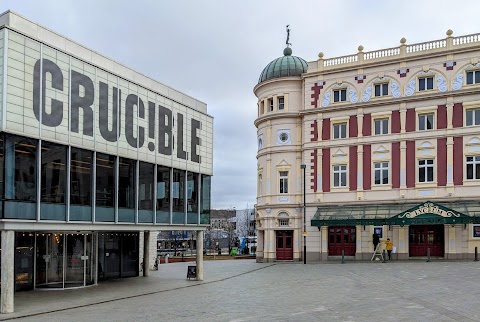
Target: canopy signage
429,208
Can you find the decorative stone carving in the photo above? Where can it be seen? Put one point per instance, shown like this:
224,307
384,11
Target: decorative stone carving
353,95
441,83
326,99
367,93
458,81
395,89
410,90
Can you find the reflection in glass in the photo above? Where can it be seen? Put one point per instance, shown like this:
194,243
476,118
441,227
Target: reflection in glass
81,185
105,188
163,195
49,263
20,177
74,265
126,190
206,198
53,171
192,198
178,191
145,192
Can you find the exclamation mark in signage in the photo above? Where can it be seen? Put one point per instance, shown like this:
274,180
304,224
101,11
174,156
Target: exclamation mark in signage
151,126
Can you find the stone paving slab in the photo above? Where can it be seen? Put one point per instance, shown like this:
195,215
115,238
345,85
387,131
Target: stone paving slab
249,291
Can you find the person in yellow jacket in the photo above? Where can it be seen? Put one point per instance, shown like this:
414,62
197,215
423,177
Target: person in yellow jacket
389,247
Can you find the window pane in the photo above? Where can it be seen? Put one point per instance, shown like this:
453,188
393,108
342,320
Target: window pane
377,127
20,177
421,175
54,159
344,95
477,113
163,194
469,115
343,127
429,122
385,89
421,84
470,171
477,171
178,190
81,184
105,189
336,180
145,186
477,77
344,179
430,83
377,90
430,174
385,127
421,122
377,176
126,190
192,198
206,196
336,131
469,77
335,96
385,176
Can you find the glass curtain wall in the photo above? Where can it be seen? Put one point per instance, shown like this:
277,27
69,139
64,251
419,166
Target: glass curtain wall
205,203
126,190
105,188
146,183
163,195
53,172
20,177
178,191
192,198
81,185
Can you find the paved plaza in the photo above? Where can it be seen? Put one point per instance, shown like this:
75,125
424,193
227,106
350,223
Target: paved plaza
242,290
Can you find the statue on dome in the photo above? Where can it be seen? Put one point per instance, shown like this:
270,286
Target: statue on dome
288,36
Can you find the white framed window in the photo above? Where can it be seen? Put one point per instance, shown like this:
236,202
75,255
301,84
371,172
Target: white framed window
472,116
425,122
425,170
381,126
270,104
425,83
473,77
283,222
340,130
340,95
473,167
381,173
283,182
340,175
281,103
381,89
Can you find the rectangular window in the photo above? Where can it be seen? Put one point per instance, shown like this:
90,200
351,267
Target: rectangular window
105,189
473,77
270,104
145,191
53,169
340,175
206,185
425,83
473,116
192,198
473,167
283,181
340,131
425,122
127,175
381,172
340,95
178,191
425,170
81,184
381,89
163,194
283,222
381,126
281,103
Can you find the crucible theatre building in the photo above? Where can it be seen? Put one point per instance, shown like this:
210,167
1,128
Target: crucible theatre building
95,159
384,141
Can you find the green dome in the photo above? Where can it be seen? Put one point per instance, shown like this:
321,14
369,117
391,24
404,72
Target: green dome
285,66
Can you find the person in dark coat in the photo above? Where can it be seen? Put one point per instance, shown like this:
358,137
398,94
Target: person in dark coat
376,240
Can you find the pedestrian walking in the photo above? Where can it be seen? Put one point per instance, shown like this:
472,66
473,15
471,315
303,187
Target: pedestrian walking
389,248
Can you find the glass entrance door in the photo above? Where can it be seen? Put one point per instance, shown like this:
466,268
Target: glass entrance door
75,263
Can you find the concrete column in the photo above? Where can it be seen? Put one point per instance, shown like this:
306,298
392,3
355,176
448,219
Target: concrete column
146,253
8,277
199,255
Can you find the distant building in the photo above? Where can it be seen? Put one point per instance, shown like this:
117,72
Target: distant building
391,143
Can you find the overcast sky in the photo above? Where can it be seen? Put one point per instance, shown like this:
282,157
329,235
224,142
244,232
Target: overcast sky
214,50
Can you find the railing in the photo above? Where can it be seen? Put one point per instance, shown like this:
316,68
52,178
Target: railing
468,39
426,46
381,53
340,60
414,49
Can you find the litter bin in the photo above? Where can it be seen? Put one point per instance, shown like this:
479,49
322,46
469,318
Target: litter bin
234,251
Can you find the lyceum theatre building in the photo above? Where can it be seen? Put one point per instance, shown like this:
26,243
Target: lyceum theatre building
95,159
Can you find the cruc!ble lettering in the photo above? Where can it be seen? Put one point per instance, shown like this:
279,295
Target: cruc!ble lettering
82,97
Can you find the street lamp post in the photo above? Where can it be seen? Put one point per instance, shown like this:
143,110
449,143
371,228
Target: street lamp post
303,167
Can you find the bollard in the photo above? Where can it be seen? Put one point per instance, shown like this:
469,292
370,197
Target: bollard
384,256
476,254
166,259
343,256
428,254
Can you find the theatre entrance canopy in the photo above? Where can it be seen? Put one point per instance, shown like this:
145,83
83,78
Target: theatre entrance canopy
425,213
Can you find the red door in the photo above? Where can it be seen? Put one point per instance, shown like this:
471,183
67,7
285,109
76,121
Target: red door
342,238
284,245
424,237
